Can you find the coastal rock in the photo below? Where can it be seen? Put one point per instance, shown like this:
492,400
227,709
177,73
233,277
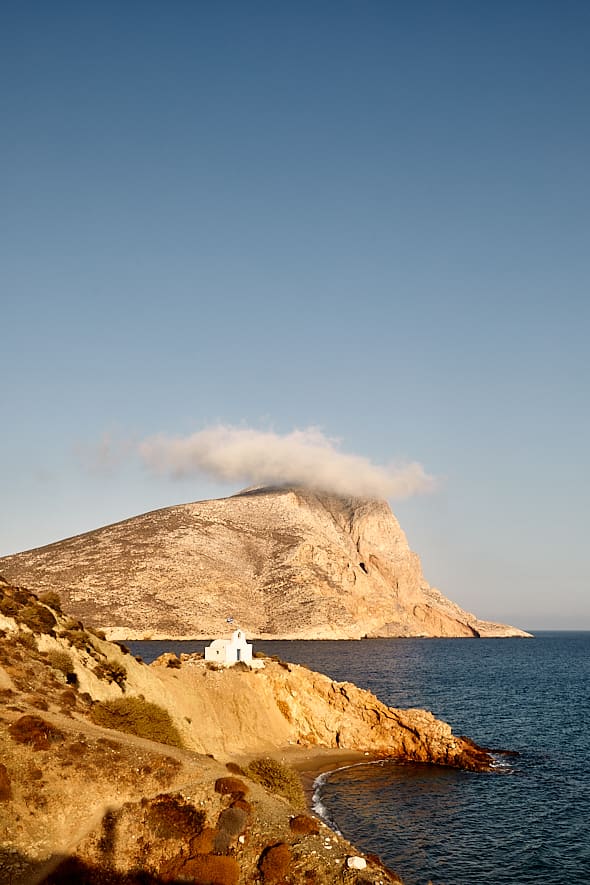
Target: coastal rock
356,863
168,811
283,563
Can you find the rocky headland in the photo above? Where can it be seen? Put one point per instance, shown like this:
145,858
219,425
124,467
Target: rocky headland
117,772
285,563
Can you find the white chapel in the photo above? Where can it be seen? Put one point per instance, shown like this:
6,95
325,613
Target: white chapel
230,651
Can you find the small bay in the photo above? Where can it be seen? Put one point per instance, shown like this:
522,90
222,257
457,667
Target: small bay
527,822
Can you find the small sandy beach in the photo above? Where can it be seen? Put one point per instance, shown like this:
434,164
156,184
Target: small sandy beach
310,762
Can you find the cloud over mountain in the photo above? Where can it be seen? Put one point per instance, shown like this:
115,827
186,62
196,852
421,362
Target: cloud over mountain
303,457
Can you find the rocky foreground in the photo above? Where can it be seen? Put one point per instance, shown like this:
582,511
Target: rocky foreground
117,772
285,563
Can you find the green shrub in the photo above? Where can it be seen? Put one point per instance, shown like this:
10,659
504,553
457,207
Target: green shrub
241,803
27,640
61,660
100,634
22,595
37,618
204,842
78,637
139,717
112,672
278,778
67,698
38,701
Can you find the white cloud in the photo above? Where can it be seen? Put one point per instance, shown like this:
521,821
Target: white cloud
303,457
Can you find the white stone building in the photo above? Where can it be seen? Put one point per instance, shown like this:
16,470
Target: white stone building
230,651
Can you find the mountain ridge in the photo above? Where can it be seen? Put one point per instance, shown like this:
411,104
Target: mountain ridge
282,562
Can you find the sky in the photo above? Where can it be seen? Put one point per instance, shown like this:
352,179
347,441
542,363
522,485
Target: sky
275,231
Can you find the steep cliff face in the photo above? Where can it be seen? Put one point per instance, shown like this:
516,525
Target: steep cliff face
283,563
286,705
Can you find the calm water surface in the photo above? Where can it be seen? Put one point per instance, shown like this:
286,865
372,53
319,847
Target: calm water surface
529,822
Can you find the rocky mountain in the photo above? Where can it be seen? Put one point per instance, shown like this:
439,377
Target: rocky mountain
282,562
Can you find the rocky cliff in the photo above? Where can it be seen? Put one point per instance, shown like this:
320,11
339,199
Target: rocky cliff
283,563
74,706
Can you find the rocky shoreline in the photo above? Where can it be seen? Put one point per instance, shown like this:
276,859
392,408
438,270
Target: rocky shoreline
180,741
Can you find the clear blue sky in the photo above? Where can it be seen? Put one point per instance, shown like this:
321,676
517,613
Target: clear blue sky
371,218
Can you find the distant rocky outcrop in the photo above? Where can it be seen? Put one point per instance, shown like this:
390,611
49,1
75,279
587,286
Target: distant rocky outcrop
282,562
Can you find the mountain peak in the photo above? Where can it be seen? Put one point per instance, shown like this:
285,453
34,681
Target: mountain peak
282,561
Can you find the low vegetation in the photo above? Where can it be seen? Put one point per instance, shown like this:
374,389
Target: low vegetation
278,778
212,869
275,862
52,599
111,671
62,661
232,786
139,717
304,825
171,817
34,730
230,824
37,618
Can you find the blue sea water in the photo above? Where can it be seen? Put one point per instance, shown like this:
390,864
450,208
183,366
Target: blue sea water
527,822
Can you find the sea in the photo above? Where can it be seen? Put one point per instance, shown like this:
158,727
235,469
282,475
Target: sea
526,822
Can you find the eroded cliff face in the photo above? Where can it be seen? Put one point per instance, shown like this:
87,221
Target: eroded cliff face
284,563
286,705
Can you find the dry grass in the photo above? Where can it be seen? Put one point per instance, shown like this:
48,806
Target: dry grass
278,778
138,717
61,660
